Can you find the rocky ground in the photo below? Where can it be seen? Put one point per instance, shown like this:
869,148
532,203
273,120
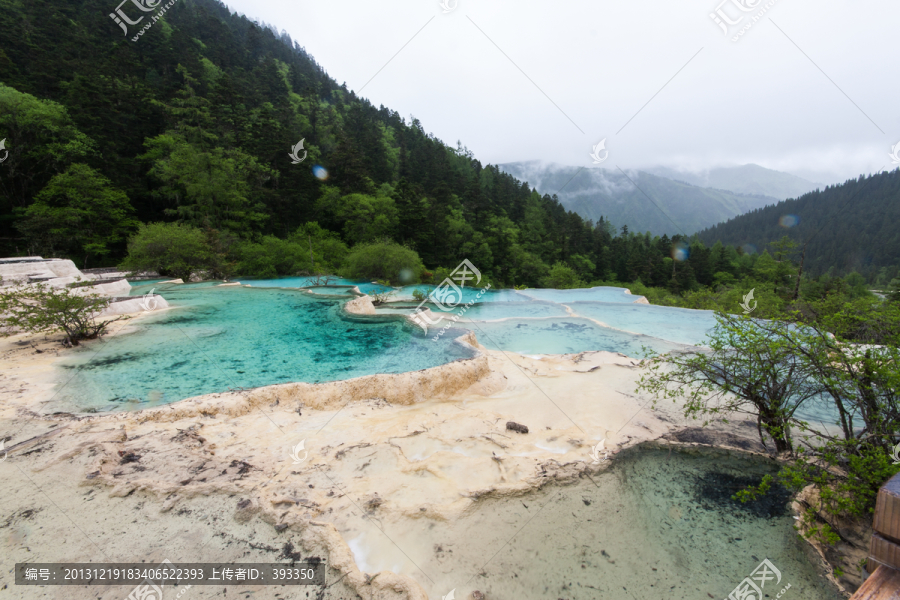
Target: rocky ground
353,473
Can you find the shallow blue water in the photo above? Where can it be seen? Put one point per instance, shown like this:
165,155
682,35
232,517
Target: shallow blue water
509,310
597,294
680,325
216,338
657,525
561,336
302,282
231,337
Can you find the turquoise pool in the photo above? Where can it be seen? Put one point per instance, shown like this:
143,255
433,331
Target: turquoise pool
216,338
561,336
219,338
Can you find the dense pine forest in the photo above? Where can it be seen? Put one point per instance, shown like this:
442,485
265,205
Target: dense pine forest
194,123
184,137
845,228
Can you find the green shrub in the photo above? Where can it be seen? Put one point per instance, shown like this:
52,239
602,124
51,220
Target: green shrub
562,277
384,260
170,249
40,308
329,252
79,213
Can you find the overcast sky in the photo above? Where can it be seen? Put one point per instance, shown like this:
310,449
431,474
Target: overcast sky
811,88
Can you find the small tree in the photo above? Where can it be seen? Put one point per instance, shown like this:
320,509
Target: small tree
381,296
80,213
751,367
768,369
41,308
562,277
862,381
384,260
170,249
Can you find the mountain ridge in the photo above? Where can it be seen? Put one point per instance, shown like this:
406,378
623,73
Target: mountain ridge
750,179
637,199
845,227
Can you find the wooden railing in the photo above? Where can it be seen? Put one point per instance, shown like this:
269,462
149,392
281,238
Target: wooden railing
884,549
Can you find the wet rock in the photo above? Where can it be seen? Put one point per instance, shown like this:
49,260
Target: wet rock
517,427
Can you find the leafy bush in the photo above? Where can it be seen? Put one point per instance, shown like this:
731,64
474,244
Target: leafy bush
78,213
310,250
170,249
329,252
41,308
382,296
562,277
770,368
385,260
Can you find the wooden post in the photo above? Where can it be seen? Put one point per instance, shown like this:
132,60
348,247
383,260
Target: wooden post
884,549
885,546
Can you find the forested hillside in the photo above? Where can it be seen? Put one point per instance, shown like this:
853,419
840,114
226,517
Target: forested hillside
848,227
194,123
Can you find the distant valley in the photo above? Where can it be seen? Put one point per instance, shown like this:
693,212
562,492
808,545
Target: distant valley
661,200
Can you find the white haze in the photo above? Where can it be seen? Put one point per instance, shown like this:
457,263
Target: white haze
760,100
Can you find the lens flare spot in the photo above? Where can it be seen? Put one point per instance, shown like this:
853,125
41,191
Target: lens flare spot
749,249
320,172
680,251
788,221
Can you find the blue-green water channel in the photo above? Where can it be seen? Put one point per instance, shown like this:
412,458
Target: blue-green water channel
220,338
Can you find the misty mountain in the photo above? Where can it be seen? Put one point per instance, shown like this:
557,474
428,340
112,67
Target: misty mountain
745,179
640,200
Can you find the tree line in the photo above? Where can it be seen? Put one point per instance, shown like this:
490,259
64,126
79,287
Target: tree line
189,130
